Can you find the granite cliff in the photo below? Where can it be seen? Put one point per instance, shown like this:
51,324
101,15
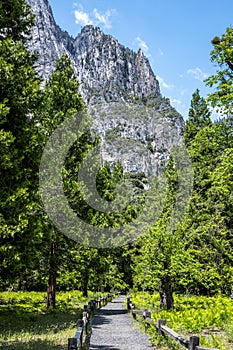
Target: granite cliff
120,89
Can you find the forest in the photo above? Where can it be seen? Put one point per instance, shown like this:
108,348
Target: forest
193,258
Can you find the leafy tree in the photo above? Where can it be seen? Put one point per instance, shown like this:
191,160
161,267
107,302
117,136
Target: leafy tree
16,20
154,266
206,226
195,257
222,81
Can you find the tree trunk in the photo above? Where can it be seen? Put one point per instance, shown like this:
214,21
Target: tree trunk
51,290
165,291
85,283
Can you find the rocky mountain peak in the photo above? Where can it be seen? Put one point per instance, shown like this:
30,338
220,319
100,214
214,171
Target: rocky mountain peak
104,66
119,87
110,69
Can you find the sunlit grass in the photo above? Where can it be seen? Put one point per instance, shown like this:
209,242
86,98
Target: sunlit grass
26,324
211,318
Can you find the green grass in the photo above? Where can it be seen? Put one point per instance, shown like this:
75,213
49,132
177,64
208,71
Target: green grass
211,318
26,324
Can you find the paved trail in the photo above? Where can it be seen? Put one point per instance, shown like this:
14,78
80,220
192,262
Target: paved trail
113,329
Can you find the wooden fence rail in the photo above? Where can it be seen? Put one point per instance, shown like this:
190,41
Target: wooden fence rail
191,344
77,341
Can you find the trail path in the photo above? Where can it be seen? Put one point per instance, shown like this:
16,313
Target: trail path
113,329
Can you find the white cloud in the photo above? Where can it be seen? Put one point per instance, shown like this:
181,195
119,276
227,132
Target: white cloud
176,101
94,17
103,18
164,84
82,18
197,73
142,44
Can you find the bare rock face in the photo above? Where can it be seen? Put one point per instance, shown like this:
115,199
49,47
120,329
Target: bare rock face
47,38
137,135
120,89
109,72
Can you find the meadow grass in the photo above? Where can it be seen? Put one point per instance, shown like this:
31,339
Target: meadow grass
26,324
210,318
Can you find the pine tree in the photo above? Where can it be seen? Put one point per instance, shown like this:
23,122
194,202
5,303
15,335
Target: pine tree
199,117
19,89
61,100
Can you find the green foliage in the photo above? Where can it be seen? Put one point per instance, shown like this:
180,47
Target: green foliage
207,317
197,256
19,91
222,55
207,225
61,98
16,20
199,117
155,266
26,324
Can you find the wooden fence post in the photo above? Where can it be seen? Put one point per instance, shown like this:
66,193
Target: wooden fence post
161,323
82,325
85,320
128,303
79,332
146,314
193,342
72,344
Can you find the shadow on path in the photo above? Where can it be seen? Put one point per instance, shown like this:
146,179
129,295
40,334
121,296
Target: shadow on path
104,316
112,312
99,320
103,347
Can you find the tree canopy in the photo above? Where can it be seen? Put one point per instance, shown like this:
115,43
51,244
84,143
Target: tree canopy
222,80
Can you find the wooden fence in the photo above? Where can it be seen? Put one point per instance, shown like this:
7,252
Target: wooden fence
191,344
78,340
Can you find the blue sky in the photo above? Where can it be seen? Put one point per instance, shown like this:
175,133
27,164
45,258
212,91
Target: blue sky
175,35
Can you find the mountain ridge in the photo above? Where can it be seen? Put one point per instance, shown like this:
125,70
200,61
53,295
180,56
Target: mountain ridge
132,70
111,74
